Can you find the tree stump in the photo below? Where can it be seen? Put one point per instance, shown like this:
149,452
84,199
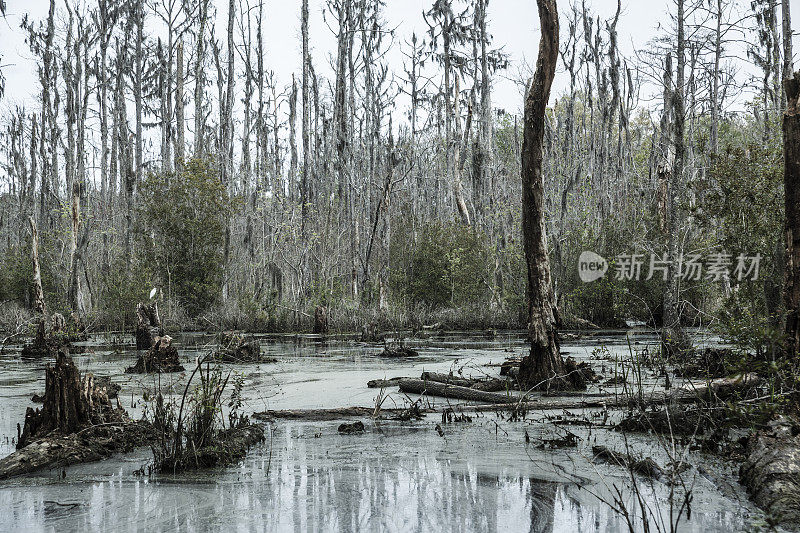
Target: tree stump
234,348
161,357
321,320
148,325
70,404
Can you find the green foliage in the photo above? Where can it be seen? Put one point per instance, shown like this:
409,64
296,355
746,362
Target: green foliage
16,275
122,291
182,224
447,265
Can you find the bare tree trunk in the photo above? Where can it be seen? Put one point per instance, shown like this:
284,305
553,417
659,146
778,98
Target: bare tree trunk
293,136
544,366
137,95
38,294
306,126
673,338
179,139
791,184
714,140
199,81
228,141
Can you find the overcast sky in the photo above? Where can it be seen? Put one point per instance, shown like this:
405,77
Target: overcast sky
513,23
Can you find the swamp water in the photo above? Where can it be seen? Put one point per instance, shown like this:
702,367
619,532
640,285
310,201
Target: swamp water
482,475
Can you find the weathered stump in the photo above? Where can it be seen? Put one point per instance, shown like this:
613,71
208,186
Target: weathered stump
161,357
76,423
51,336
234,348
148,325
321,320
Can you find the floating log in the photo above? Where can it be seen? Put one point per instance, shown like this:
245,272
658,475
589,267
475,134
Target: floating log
434,388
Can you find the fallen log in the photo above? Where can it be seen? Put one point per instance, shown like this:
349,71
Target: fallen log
321,415
487,384
434,388
771,472
384,383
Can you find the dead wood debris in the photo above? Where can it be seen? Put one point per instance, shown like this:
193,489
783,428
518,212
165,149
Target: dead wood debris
76,423
161,357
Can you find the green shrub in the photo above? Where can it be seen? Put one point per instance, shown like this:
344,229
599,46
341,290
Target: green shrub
182,224
447,265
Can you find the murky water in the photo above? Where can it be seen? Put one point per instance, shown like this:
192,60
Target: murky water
399,476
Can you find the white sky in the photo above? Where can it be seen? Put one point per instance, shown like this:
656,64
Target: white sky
513,23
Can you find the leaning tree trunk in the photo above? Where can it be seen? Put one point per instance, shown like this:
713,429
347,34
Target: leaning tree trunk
543,367
791,184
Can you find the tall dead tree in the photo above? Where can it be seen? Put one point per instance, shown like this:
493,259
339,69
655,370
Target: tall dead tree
306,116
791,184
544,366
38,293
179,139
673,338
199,80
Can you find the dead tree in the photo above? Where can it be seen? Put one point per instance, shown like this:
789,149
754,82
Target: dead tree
544,366
674,339
38,294
791,184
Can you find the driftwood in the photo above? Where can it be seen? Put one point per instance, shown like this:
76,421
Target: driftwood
161,357
771,471
434,388
76,423
148,325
